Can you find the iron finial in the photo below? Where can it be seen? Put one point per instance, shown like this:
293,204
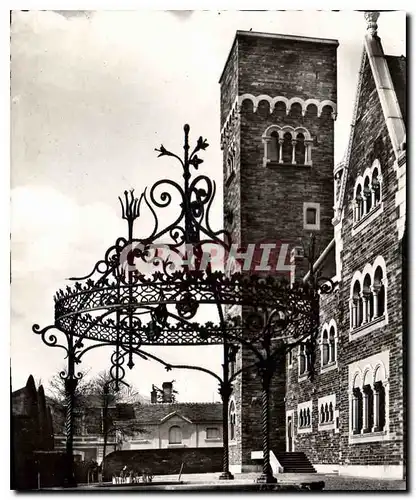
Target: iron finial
371,18
130,208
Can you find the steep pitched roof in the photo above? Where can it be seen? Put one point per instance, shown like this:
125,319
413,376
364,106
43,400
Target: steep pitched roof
195,412
389,73
398,71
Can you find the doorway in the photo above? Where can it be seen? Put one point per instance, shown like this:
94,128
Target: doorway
289,432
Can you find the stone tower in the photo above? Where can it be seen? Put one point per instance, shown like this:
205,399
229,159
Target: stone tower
278,106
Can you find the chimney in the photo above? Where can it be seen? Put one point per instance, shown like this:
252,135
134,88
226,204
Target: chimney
153,395
167,392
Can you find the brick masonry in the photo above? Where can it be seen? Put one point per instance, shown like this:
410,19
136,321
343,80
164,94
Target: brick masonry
371,141
267,203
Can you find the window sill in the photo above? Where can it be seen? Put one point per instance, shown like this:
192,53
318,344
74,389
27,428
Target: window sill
230,178
329,367
365,221
303,377
276,164
176,445
368,437
213,440
329,426
368,327
304,430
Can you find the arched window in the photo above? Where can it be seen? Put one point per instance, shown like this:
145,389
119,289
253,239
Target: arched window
175,435
357,306
287,145
231,421
300,149
378,293
326,406
376,187
290,359
367,403
367,192
274,147
287,148
369,393
325,348
230,162
332,345
358,212
326,412
331,412
303,361
368,296
356,412
367,300
367,195
305,415
379,402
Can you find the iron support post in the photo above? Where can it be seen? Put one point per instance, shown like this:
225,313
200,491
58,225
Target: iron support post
225,391
267,474
70,387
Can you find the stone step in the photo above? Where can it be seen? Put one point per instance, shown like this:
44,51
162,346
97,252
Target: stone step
295,462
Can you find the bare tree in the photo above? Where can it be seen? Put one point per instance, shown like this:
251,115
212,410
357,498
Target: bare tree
117,413
113,423
56,389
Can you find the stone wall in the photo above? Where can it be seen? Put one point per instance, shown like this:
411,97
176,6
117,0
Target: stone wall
165,461
321,446
380,238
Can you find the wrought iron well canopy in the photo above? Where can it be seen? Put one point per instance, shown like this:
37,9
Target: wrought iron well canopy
151,289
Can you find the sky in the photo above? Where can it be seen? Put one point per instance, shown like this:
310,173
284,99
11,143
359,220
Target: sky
92,95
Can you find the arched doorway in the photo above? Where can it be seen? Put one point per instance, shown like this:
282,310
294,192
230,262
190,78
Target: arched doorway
289,431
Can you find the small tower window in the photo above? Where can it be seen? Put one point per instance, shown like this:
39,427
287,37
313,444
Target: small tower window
311,215
287,146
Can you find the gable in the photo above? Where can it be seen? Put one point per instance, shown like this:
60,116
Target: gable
384,79
175,416
370,139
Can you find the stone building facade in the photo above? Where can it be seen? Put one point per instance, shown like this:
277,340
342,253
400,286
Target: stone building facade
278,106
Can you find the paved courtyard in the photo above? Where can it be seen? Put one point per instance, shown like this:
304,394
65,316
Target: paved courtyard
332,481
